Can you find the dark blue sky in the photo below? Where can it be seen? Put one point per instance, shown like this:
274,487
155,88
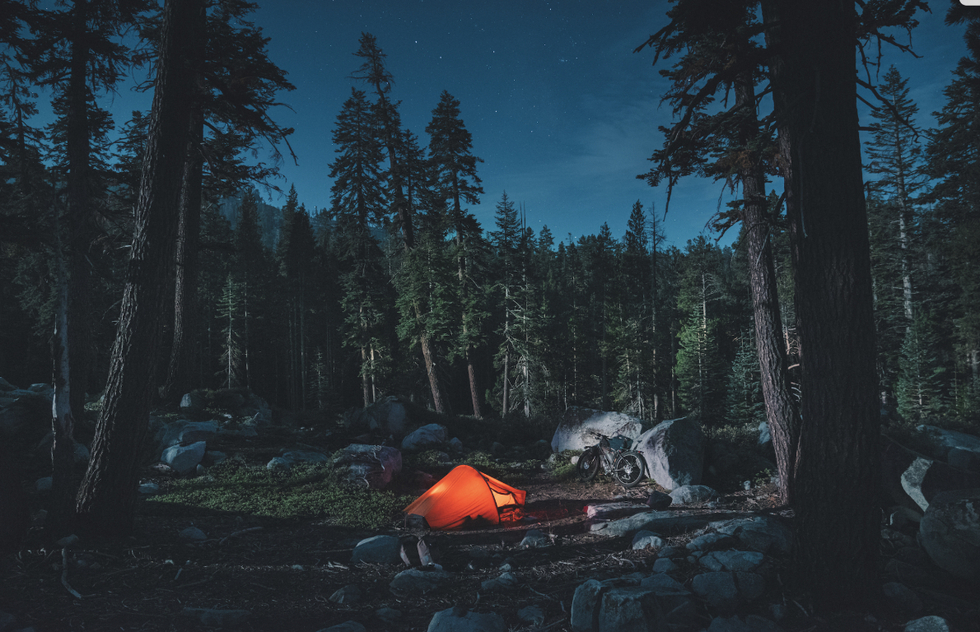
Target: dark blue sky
561,110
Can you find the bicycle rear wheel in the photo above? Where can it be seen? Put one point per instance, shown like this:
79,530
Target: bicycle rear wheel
629,468
588,464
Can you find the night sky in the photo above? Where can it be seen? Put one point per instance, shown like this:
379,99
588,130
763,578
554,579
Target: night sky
561,110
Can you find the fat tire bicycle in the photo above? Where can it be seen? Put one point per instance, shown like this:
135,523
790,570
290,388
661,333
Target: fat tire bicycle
611,454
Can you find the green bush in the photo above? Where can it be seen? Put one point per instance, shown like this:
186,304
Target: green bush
302,492
562,469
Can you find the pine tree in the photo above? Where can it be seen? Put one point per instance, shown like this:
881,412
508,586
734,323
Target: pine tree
236,87
744,404
231,314
295,253
454,168
507,259
634,331
358,204
895,156
374,72
921,376
251,265
953,164
837,460
700,371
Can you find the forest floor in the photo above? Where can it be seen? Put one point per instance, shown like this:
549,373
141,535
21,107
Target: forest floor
283,572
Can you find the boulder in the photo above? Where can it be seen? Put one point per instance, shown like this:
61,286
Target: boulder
603,606
902,598
665,565
731,560
938,442
278,464
631,608
764,534
256,411
950,532
927,624
659,501
656,521
535,539
507,581
380,549
370,466
388,417
607,510
184,459
428,436
463,620
533,615
585,606
691,494
43,390
351,593
724,591
964,459
194,431
43,485
717,589
195,401
24,414
912,480
674,452
416,581
711,542
647,540
576,425
765,436
193,534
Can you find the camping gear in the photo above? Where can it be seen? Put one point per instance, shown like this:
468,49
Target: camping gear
611,454
466,497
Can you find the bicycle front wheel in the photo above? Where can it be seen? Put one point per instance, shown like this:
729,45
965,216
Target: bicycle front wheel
629,468
588,464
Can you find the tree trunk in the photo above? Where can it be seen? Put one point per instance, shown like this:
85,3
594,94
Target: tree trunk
838,461
107,498
63,422
183,350
474,391
781,413
72,331
506,403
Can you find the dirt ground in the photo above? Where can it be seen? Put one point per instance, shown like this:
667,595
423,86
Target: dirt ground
284,572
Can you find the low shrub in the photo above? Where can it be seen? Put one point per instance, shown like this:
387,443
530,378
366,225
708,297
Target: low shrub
302,492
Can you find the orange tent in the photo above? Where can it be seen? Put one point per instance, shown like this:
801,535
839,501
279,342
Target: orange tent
466,495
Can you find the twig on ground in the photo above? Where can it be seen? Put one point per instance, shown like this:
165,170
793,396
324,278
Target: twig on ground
64,574
542,594
238,533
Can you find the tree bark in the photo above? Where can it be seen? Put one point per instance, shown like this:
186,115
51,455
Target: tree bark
106,500
781,412
838,462
72,336
183,350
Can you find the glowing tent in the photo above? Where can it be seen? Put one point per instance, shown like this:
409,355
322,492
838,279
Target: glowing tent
465,496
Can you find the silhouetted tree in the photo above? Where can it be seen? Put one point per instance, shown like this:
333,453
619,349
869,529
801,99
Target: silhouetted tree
107,497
